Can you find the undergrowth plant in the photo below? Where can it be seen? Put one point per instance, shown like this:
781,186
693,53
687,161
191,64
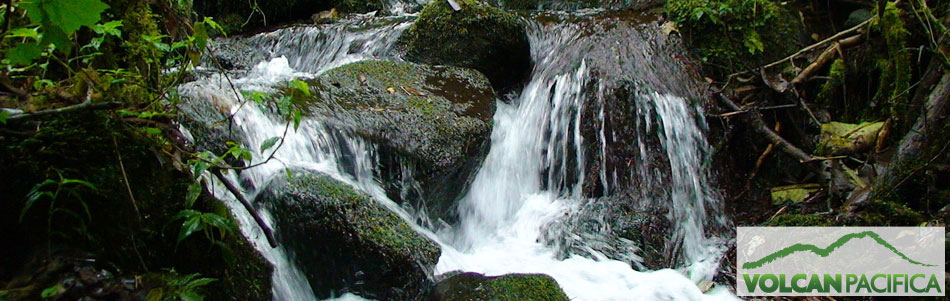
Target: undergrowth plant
715,27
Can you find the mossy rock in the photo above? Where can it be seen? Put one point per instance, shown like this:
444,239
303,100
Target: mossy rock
478,36
131,226
435,120
475,286
346,241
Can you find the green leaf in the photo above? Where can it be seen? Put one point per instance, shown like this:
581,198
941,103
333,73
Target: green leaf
194,191
190,225
297,116
156,40
215,25
153,131
200,282
24,54
301,86
80,182
200,167
56,36
70,15
3,116
52,291
24,33
201,36
35,194
267,144
110,28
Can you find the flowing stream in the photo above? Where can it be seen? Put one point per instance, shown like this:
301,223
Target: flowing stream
532,175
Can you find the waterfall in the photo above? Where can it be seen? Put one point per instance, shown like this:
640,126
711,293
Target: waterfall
343,156
534,173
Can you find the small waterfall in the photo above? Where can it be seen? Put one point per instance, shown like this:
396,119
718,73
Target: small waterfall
534,172
533,175
313,145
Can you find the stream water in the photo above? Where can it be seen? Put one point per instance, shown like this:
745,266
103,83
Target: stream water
532,175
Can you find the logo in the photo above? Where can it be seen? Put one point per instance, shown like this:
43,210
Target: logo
841,261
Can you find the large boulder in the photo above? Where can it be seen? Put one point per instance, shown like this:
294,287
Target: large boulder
432,123
474,286
345,241
478,36
129,222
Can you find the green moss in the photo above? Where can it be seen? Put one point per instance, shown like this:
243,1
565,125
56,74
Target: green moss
138,21
798,220
474,286
735,34
836,79
531,287
372,223
895,66
884,213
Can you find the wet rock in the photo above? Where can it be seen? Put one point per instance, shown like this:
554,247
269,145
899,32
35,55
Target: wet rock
432,123
478,36
345,241
474,286
621,227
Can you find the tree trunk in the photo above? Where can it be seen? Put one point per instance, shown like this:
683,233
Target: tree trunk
915,146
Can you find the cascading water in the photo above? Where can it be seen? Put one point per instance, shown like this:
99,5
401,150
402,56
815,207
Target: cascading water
533,175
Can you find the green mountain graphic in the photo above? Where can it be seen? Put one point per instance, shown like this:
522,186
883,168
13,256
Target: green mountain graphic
828,250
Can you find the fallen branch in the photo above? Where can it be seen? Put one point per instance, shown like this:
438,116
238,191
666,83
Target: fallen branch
825,57
87,105
268,233
759,126
835,37
757,109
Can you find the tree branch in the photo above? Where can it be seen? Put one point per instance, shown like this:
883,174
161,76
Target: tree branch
825,57
87,105
268,233
759,126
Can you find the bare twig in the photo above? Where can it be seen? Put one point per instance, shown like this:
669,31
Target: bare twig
87,105
125,178
759,126
811,47
268,233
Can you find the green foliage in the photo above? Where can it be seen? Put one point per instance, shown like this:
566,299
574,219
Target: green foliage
179,287
52,291
717,27
64,195
213,226
56,20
